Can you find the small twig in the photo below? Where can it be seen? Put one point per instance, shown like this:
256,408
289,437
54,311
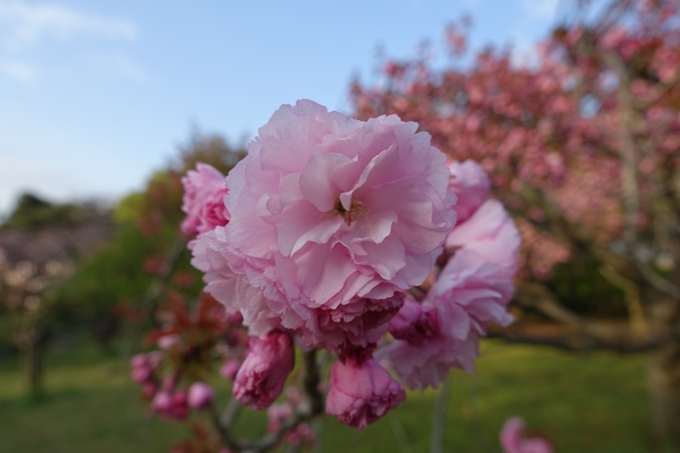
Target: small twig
398,430
440,417
153,293
310,380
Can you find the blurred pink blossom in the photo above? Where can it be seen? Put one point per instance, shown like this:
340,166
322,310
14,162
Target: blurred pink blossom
203,201
200,395
513,441
470,184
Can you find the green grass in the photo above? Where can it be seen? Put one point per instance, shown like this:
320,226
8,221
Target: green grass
591,402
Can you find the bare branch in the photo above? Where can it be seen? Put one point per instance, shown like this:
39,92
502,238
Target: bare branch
585,334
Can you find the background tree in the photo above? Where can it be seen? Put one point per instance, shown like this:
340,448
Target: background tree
40,245
583,147
124,279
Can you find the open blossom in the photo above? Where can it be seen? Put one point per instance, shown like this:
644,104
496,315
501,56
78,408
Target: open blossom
361,392
260,379
472,290
332,220
470,184
203,200
513,441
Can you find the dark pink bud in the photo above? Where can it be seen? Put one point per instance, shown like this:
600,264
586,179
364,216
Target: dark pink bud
162,402
200,395
361,393
140,375
415,323
138,361
263,373
229,369
150,390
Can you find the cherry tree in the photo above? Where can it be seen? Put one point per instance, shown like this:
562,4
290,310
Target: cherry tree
582,146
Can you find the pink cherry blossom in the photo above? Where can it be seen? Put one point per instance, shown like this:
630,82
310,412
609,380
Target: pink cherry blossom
260,379
470,184
445,329
513,441
472,290
332,220
361,393
203,201
200,395
489,232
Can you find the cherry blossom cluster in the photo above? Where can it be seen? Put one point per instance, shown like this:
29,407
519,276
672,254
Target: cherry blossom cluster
356,238
188,346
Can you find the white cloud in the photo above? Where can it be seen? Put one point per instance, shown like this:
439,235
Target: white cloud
19,71
25,23
540,9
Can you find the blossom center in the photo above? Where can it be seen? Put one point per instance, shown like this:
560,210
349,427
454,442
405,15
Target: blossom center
356,210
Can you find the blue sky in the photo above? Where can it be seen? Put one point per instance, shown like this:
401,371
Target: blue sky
96,95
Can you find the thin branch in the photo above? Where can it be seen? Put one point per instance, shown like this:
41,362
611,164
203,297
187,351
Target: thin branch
658,282
153,293
587,334
311,379
439,421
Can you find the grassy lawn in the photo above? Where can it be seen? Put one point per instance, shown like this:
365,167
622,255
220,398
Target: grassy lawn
591,402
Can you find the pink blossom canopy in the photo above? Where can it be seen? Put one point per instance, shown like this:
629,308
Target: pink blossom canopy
332,220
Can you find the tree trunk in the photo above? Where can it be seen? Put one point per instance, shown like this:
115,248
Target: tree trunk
664,375
33,353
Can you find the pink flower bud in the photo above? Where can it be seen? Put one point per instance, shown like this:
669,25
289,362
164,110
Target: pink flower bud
229,369
138,361
263,373
162,402
415,323
166,342
513,441
200,395
149,390
140,375
361,393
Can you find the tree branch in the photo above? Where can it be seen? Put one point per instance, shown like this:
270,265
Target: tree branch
586,334
310,380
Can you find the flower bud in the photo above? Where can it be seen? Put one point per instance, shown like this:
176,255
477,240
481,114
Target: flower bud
361,393
263,373
162,402
229,369
200,395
